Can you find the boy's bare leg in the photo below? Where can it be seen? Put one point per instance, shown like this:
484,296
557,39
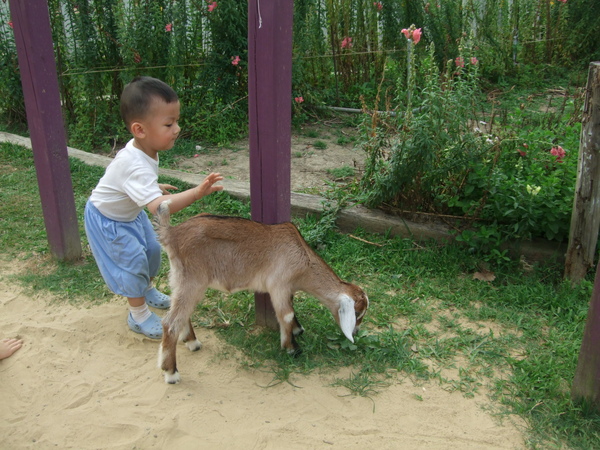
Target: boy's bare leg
136,301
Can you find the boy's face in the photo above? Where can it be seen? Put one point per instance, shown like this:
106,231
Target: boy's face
160,127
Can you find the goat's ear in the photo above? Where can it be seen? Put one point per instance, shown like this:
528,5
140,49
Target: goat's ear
347,316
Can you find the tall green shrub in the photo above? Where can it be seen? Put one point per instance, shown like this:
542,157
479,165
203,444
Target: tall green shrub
424,150
12,104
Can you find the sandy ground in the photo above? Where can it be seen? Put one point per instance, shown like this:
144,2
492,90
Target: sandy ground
82,380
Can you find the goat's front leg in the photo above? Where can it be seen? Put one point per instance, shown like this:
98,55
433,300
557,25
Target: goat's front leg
189,338
289,327
297,329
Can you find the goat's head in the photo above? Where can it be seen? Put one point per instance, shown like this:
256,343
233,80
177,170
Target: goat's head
353,306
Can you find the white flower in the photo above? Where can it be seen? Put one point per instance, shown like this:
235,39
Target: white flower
533,190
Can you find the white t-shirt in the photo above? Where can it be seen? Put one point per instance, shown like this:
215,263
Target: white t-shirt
128,185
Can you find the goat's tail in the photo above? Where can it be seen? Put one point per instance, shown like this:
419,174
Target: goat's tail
162,221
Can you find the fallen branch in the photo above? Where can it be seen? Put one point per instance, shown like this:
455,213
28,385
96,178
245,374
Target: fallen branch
365,241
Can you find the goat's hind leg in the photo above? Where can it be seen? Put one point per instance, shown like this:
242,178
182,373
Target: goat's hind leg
176,326
167,359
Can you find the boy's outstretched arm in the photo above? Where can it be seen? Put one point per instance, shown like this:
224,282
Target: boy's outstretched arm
186,198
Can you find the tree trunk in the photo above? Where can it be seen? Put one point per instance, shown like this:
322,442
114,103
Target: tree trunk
585,219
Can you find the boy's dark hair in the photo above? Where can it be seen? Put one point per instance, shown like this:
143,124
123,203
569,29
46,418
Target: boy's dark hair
139,93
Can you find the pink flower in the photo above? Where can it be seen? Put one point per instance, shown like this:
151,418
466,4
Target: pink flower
347,42
521,152
378,5
168,27
212,6
564,1
10,24
459,61
299,99
474,61
235,61
416,36
412,33
559,152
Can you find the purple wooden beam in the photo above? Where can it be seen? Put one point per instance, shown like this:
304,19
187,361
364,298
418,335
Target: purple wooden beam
33,39
586,383
270,111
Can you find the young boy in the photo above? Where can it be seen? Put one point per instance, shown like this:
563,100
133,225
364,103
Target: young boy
119,232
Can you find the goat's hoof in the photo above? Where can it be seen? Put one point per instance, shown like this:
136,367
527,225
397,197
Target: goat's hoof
295,352
172,378
298,331
194,345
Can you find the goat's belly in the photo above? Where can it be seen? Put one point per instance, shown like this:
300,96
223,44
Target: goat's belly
236,287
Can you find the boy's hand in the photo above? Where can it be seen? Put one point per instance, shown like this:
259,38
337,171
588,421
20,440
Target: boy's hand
164,188
207,186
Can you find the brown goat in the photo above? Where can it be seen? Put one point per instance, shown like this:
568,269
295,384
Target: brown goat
233,254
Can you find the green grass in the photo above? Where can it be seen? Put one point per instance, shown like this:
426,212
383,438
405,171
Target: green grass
515,339
320,145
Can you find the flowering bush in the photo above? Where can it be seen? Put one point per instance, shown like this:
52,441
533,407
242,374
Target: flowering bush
411,157
516,182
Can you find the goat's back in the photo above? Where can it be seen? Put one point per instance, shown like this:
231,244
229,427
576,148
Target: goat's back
232,253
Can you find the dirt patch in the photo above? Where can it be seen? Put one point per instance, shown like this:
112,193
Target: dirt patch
319,155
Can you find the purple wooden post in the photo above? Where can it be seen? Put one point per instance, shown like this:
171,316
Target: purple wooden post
33,39
586,383
269,102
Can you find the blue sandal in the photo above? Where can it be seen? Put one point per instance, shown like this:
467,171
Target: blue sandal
158,299
151,327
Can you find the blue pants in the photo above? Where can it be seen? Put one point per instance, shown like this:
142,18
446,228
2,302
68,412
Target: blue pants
127,253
